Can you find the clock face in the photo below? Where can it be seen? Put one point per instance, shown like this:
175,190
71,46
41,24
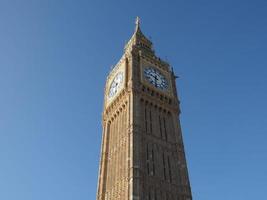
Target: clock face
115,85
155,78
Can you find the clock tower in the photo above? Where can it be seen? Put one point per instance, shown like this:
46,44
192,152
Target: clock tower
142,151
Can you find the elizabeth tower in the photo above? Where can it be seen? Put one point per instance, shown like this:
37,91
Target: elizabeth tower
142,151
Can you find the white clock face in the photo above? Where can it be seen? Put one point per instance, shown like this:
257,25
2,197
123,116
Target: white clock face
155,78
115,85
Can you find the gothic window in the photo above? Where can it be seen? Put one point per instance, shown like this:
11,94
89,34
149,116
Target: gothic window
150,160
164,166
160,128
145,118
150,120
153,160
171,127
169,167
165,129
147,159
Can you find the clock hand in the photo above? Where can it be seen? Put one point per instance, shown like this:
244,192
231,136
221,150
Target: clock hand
154,77
156,80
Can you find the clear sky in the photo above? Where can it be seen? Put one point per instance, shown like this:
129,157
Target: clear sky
54,59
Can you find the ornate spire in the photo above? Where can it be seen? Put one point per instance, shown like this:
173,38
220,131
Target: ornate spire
138,38
137,23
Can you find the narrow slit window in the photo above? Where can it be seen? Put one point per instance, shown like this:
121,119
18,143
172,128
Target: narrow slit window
169,167
150,115
165,130
160,128
147,159
153,162
164,166
145,118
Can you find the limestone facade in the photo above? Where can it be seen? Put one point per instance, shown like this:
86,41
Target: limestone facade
142,151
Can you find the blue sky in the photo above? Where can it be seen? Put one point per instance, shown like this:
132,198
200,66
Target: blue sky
55,56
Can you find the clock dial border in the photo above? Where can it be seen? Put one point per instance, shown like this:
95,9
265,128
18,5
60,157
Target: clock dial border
121,68
165,74
155,78
117,87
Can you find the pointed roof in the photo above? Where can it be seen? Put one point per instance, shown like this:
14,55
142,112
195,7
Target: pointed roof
138,38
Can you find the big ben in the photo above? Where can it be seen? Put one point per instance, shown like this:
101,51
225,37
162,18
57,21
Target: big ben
142,151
